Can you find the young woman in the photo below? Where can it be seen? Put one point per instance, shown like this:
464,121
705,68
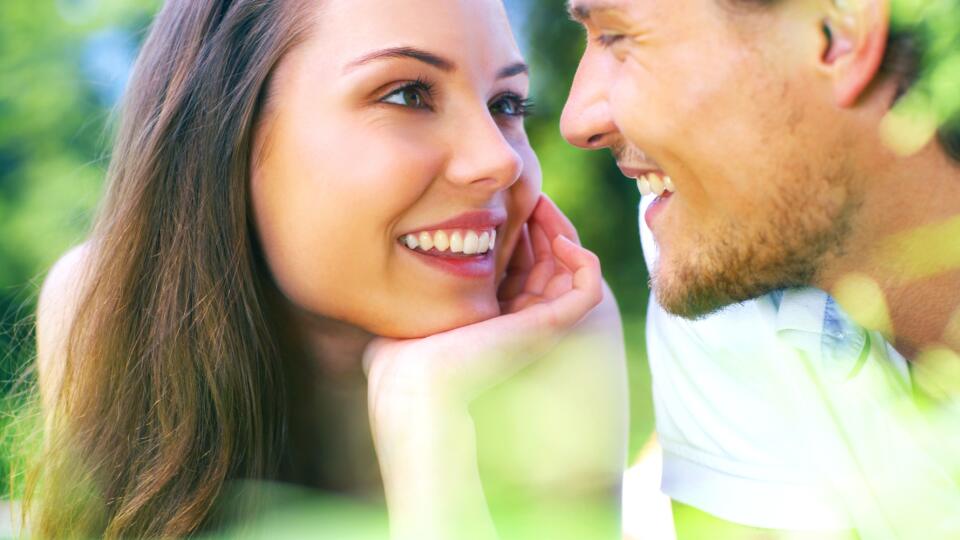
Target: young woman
323,239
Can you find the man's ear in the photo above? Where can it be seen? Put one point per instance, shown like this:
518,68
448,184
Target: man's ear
856,39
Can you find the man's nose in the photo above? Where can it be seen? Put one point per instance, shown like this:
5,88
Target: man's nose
586,121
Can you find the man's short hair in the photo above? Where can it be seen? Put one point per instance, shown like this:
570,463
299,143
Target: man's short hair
902,61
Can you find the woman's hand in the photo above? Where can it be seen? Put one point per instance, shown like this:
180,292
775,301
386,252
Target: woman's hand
551,284
419,390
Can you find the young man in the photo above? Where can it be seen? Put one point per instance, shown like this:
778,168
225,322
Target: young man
764,129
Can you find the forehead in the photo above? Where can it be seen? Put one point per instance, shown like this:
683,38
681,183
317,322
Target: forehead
350,28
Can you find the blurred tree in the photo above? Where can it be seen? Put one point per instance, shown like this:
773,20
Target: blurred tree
63,64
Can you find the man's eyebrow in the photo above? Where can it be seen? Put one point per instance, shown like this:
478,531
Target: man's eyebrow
404,52
513,69
581,11
578,12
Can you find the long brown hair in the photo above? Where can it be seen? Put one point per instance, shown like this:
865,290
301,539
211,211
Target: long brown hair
171,383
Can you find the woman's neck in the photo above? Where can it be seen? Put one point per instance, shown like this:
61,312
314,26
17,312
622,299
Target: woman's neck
334,347
330,443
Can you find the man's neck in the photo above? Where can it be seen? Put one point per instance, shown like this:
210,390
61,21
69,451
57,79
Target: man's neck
899,271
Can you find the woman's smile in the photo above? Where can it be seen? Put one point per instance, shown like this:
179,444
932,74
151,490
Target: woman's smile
416,161
463,245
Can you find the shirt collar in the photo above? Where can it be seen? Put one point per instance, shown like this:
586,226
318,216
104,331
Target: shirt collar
810,321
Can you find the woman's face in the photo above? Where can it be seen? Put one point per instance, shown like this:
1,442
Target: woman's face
390,155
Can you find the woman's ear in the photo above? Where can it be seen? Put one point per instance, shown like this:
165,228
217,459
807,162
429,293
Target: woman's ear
855,34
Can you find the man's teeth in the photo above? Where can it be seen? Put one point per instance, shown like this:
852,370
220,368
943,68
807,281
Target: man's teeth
655,183
668,184
468,242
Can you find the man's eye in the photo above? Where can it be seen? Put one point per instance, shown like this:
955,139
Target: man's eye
511,105
606,40
414,95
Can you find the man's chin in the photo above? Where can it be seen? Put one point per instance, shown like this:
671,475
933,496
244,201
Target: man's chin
687,305
695,297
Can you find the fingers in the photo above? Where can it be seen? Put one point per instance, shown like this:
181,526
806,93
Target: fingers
559,284
544,268
516,339
522,257
583,262
521,262
552,283
553,221
548,277
586,286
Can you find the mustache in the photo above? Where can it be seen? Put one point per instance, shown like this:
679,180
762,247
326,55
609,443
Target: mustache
627,153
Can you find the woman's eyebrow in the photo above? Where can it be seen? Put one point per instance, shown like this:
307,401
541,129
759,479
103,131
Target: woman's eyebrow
513,69
426,57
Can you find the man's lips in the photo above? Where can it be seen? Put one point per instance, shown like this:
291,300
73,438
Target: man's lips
655,209
636,171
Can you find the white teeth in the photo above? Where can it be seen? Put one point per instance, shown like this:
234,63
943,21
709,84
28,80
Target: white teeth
411,241
483,243
456,242
644,186
441,241
426,241
470,243
656,183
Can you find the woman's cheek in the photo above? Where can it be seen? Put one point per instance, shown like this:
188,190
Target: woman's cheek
522,198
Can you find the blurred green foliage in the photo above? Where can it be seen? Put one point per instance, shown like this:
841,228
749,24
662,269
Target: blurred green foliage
932,101
59,67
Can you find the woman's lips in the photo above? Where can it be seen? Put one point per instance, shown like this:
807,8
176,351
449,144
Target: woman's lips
457,264
463,246
484,219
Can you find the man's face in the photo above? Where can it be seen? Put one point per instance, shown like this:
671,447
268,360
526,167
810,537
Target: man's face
728,103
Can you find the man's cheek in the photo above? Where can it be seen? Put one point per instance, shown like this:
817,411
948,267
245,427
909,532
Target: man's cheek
630,113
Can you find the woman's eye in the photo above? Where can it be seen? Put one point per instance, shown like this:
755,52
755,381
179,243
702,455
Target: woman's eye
412,96
511,105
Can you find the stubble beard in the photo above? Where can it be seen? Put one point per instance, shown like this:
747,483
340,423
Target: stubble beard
800,228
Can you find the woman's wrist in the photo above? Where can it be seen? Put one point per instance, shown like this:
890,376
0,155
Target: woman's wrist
431,480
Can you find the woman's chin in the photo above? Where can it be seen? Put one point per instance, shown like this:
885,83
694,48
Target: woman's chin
419,325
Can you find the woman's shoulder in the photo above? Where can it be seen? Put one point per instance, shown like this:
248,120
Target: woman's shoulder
58,303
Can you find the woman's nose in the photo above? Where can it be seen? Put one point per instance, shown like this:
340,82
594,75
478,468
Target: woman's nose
483,157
